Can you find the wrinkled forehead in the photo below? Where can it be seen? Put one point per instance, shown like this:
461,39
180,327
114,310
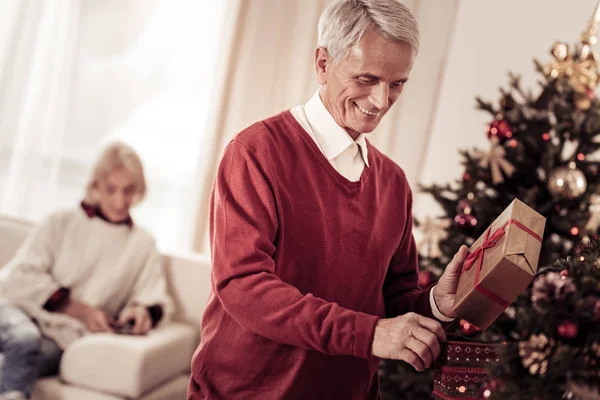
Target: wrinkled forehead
380,57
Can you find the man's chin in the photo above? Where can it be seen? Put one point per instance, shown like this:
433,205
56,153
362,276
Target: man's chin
366,128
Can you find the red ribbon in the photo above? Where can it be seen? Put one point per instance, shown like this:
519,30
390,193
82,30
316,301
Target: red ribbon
477,255
489,242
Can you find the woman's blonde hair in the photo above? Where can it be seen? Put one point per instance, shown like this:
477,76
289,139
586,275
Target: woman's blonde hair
114,156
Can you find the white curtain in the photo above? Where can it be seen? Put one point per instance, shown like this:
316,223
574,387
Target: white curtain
37,56
75,74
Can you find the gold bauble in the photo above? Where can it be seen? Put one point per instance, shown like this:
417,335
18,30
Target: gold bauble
567,182
560,51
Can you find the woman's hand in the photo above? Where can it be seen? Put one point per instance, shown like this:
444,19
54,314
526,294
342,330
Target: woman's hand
142,322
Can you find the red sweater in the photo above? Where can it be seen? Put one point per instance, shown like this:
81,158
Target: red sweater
305,262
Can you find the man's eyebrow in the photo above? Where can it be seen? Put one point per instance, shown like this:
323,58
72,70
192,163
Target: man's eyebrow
371,76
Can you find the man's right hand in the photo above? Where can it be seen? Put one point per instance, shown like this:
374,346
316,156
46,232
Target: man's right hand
94,319
410,337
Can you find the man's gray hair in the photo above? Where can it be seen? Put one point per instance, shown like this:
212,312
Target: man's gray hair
344,22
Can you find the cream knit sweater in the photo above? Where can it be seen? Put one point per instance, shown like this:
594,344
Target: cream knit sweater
104,265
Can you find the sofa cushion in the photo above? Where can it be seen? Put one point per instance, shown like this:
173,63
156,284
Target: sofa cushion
54,389
129,365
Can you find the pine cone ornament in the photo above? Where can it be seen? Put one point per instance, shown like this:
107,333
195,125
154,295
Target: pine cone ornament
535,353
549,288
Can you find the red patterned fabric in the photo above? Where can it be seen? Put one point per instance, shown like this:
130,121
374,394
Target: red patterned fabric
461,369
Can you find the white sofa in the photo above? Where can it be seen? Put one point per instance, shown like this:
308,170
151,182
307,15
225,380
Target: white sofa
115,367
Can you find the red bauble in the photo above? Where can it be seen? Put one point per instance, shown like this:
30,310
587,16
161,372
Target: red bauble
568,330
468,328
465,220
500,129
425,278
466,177
564,273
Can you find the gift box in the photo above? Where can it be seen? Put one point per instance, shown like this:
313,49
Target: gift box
500,265
461,370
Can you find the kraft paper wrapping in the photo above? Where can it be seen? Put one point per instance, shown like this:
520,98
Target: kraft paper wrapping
503,271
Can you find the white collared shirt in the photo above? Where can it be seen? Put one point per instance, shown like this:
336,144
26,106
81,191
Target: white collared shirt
349,157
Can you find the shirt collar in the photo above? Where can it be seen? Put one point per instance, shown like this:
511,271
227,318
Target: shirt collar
94,211
332,137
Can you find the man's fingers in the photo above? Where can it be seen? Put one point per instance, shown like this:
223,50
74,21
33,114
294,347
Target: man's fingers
410,357
461,254
457,261
434,327
420,349
429,340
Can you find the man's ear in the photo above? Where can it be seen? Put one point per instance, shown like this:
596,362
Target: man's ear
322,64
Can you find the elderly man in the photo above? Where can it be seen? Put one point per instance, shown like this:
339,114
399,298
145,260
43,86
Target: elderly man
314,262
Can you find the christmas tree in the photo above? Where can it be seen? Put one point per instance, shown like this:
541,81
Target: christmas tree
544,150
554,351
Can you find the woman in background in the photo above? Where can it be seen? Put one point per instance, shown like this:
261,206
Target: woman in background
88,269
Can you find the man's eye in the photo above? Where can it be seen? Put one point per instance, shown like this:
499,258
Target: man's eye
366,81
397,84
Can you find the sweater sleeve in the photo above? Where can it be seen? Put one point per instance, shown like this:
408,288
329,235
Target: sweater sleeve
27,277
401,288
150,289
244,231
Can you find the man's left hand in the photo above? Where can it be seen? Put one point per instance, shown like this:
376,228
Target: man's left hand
142,322
445,289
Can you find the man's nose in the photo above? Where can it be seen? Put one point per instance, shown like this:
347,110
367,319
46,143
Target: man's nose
380,95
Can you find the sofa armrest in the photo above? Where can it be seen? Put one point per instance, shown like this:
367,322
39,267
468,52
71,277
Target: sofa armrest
129,366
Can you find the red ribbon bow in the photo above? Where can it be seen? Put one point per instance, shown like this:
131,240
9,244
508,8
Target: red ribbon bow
488,243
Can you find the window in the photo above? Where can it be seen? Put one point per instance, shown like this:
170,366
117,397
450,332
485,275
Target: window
90,71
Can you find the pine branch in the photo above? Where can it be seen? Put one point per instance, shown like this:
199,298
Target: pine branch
485,106
515,84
